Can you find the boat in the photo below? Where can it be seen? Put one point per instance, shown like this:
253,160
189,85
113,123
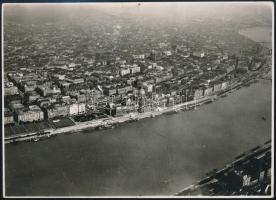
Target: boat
52,135
184,109
86,131
36,139
170,112
263,118
44,137
207,102
99,128
132,120
108,126
69,132
43,133
14,141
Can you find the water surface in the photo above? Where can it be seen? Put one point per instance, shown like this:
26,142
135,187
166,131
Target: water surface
156,156
259,34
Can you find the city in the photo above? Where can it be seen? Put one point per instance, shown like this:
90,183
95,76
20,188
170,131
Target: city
62,76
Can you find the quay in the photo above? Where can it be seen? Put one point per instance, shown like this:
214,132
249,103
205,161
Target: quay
104,122
134,116
248,174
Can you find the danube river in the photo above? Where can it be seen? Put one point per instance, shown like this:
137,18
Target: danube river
155,156
259,34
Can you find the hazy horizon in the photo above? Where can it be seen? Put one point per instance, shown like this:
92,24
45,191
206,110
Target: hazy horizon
177,10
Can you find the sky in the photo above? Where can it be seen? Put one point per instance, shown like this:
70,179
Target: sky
191,8
171,11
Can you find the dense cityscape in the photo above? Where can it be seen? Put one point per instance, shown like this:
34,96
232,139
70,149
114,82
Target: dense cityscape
64,73
59,73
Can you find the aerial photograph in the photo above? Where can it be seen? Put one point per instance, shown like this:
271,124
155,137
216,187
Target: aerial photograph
138,99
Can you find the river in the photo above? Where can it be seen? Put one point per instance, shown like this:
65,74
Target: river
259,34
155,156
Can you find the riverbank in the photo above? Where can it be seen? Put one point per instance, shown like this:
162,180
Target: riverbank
110,122
209,185
102,123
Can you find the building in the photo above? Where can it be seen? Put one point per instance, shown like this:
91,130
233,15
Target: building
140,56
56,110
230,69
122,110
124,71
33,113
198,93
8,117
75,80
10,89
43,102
208,91
159,68
15,77
81,98
148,87
131,80
134,69
109,90
91,95
59,76
121,90
163,77
110,109
242,68
64,84
224,85
66,99
76,108
168,53
32,96
29,86
257,63
198,54
48,91
217,87
16,105
170,101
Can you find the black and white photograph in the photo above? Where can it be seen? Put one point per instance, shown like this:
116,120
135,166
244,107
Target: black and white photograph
138,99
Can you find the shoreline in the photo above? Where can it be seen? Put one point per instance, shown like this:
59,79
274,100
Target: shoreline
216,174
110,122
243,33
